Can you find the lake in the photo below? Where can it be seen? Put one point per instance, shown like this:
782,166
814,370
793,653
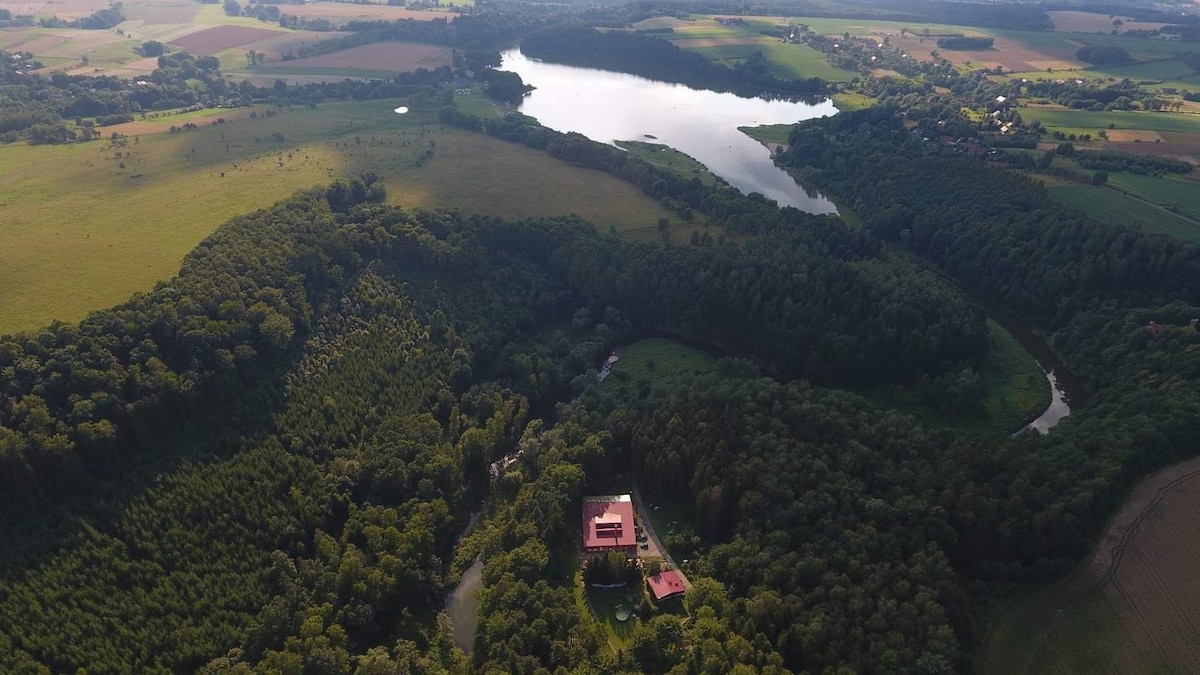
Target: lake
607,107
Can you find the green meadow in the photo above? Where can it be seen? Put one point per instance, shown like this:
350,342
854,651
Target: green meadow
1065,118
1106,204
84,226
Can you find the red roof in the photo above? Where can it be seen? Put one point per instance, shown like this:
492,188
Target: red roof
666,584
608,523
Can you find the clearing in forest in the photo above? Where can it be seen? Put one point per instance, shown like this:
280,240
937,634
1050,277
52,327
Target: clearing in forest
1134,605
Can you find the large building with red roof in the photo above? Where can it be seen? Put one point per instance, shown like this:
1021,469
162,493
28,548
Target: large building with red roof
608,524
666,585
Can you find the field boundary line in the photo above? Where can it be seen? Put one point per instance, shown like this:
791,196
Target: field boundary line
1118,553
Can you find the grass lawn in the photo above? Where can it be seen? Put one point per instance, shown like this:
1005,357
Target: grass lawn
1064,118
771,134
78,232
850,101
1106,204
601,605
666,157
478,104
1016,390
655,361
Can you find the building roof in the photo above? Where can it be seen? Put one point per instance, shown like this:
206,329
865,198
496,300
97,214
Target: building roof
666,584
608,522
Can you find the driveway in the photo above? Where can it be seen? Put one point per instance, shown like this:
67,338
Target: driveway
656,547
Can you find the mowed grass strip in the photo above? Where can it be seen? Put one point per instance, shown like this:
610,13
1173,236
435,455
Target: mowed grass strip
1110,206
78,232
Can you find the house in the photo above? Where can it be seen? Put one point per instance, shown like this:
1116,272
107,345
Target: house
666,586
608,524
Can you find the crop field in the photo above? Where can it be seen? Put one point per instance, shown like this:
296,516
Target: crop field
1173,193
66,9
79,232
340,11
1091,22
382,57
1065,118
1130,608
213,40
1108,205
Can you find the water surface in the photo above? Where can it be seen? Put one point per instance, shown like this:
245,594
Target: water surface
607,107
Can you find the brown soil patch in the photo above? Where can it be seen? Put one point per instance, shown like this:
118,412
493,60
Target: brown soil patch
337,10
1091,22
694,43
390,56
1133,136
1177,145
1148,564
219,38
283,42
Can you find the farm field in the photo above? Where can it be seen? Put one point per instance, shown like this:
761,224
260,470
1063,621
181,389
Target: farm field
378,59
1108,205
1174,193
206,30
732,43
1093,22
1066,119
1129,608
78,232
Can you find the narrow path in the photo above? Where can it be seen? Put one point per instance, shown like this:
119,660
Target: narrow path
648,527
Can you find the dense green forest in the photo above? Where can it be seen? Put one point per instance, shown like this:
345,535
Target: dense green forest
280,460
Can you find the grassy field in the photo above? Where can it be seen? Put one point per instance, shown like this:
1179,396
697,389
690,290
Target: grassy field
480,105
1016,390
601,605
731,44
1128,608
655,361
769,134
666,157
79,232
1066,119
1109,205
1176,194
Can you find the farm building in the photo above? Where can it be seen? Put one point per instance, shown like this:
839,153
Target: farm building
608,524
666,586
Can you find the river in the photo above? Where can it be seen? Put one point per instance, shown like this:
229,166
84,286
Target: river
1064,387
606,106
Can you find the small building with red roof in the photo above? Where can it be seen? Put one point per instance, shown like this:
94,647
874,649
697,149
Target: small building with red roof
608,524
666,585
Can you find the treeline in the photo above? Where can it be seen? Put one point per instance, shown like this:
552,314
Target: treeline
962,42
658,59
36,106
1146,165
1103,55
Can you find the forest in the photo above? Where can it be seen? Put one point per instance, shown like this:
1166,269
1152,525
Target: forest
281,459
